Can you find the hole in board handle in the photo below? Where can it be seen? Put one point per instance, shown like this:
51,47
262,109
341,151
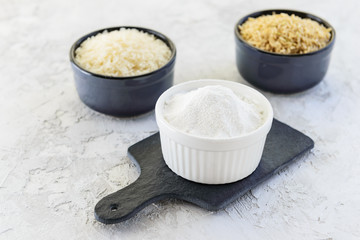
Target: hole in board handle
113,207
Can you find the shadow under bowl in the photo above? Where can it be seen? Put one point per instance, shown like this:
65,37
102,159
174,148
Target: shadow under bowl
280,73
123,96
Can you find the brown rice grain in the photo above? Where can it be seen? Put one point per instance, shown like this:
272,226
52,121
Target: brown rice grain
285,34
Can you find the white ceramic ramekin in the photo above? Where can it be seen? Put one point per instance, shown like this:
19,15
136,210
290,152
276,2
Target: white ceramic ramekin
208,160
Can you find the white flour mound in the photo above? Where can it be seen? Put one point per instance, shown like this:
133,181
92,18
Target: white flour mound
213,111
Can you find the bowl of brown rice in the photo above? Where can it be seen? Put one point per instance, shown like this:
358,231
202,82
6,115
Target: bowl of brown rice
283,51
122,71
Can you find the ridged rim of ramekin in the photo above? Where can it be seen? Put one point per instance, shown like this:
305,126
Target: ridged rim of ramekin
212,144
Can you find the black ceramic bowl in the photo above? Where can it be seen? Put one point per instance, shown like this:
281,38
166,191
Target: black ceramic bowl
280,73
123,96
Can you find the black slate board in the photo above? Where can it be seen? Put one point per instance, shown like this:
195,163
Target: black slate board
156,182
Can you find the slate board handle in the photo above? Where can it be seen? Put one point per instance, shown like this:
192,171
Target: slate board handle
125,203
156,182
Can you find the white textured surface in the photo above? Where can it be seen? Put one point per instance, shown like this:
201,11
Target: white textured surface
58,158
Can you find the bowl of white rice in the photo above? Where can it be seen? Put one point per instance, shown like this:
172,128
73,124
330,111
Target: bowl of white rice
121,71
283,51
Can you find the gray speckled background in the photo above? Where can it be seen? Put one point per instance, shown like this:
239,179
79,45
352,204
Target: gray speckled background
58,157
